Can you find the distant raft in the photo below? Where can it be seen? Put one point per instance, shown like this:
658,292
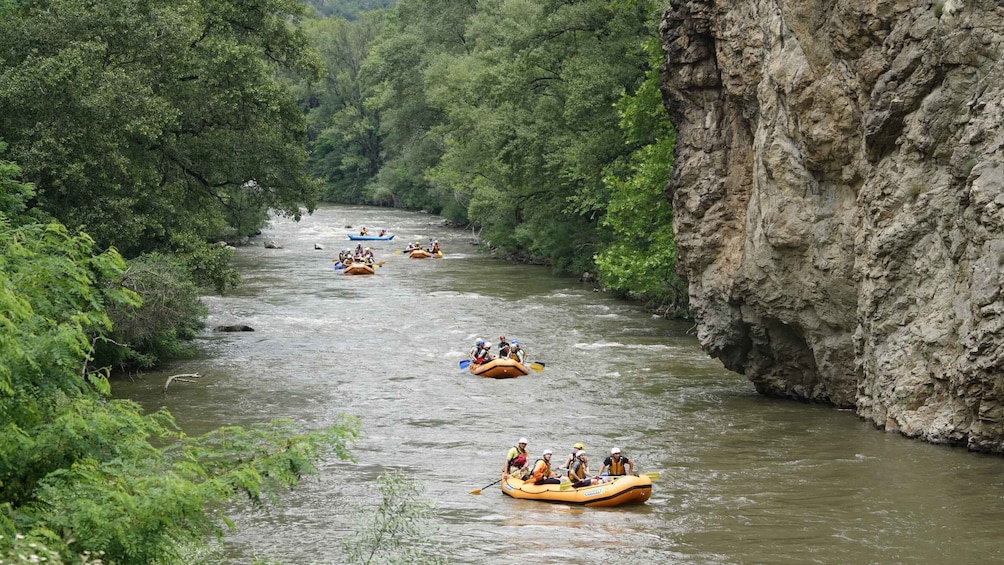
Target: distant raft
499,369
359,269
356,237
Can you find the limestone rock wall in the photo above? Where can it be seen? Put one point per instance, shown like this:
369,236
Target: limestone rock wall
839,202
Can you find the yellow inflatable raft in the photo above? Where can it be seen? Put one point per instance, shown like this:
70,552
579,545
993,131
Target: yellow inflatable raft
499,369
628,489
424,254
359,269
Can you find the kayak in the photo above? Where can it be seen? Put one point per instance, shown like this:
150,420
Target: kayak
356,237
627,489
499,369
359,269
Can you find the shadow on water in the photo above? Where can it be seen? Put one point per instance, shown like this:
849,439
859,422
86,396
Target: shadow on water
745,479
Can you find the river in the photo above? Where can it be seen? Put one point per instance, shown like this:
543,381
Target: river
744,479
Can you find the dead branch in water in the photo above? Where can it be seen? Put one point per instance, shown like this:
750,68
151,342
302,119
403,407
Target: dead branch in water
182,378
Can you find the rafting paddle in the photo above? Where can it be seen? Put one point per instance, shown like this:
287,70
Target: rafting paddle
478,490
536,366
465,363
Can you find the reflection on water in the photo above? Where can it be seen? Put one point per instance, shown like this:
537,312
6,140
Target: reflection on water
745,479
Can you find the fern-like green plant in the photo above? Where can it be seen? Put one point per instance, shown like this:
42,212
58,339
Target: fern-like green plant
397,530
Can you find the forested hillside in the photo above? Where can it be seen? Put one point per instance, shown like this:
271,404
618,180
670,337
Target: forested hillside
347,9
538,124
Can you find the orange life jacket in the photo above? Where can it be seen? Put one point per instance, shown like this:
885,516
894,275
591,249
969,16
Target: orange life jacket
541,470
617,466
576,471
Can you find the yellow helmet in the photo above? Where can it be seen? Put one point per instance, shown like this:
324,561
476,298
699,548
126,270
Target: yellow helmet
579,446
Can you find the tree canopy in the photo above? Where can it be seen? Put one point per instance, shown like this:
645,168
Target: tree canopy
539,123
142,122
84,474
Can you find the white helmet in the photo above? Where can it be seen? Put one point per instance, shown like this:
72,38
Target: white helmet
580,453
614,450
522,440
547,452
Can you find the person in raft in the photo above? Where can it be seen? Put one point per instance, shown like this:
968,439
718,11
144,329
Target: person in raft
571,456
616,464
515,460
516,352
364,231
481,352
542,473
578,472
503,348
383,233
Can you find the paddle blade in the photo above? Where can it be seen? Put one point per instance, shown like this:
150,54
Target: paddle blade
654,476
538,367
478,490
339,266
465,363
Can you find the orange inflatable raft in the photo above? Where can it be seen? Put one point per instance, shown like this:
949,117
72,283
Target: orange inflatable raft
627,489
499,369
359,269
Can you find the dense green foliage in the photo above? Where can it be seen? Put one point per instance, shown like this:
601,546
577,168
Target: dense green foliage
531,121
640,261
81,474
145,122
163,325
347,9
343,126
157,126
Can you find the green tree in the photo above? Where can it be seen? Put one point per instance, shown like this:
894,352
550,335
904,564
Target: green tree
640,260
85,475
347,9
163,326
417,34
143,122
529,122
345,151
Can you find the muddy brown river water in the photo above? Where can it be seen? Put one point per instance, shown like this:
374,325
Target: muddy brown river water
745,479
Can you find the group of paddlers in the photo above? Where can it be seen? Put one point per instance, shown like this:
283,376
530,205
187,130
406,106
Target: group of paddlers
432,248
517,463
359,255
481,352
364,231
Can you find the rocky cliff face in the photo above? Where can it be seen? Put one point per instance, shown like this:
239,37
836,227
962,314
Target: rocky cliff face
839,201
